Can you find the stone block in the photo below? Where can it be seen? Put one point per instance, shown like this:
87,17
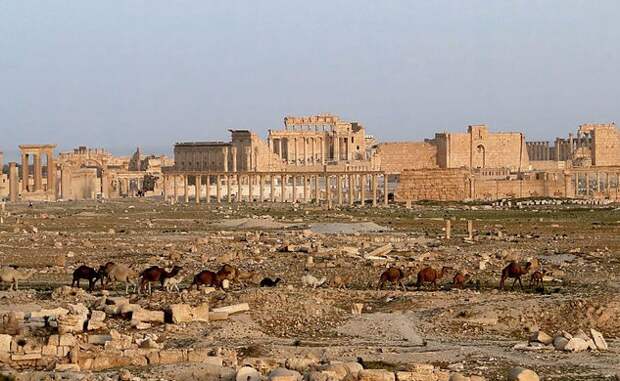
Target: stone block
181,313
415,376
99,339
97,316
67,339
599,340
376,375
142,315
67,368
49,350
26,357
172,356
5,343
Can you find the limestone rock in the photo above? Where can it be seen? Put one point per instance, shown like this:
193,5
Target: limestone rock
354,368
143,315
376,375
522,374
283,374
576,344
5,343
247,373
541,337
599,340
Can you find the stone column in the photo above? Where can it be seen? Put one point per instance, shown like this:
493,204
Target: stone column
198,186
314,151
208,186
351,190
218,188
104,190
294,178
607,186
363,189
229,188
339,190
239,190
13,182
283,186
296,151
233,151
322,149
25,172
37,172
448,229
598,182
280,149
317,189
51,176
385,190
250,188
587,183
175,192
470,230
328,191
185,189
272,188
305,180
225,153
336,149
261,184
374,190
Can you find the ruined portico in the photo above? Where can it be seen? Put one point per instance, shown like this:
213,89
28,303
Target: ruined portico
37,188
320,187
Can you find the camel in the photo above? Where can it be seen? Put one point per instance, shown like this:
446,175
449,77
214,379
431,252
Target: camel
13,276
516,271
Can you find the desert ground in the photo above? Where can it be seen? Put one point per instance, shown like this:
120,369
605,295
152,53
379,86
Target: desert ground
429,332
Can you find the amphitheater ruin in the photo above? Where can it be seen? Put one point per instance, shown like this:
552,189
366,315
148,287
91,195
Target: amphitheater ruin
325,159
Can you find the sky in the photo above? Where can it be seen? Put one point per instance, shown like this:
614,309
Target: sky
120,74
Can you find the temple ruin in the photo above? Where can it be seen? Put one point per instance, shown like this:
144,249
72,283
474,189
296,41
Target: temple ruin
325,159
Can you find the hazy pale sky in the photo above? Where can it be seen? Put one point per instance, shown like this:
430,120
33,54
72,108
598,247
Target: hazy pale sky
118,74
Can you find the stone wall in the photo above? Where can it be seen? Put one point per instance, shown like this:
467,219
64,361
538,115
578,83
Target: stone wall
398,156
606,145
461,185
434,184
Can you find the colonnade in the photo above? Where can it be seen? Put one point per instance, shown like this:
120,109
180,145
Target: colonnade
588,183
338,188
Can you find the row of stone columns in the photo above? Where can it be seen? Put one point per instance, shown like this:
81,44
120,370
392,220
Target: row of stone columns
312,149
588,189
326,187
38,171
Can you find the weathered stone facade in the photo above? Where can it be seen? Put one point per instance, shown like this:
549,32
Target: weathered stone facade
305,143
477,148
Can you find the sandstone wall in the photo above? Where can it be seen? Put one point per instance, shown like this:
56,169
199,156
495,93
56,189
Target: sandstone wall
460,185
399,156
479,148
606,146
434,184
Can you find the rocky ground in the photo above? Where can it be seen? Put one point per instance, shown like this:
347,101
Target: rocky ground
479,330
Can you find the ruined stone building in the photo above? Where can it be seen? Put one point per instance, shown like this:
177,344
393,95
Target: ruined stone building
311,157
478,148
90,173
305,143
81,174
585,165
